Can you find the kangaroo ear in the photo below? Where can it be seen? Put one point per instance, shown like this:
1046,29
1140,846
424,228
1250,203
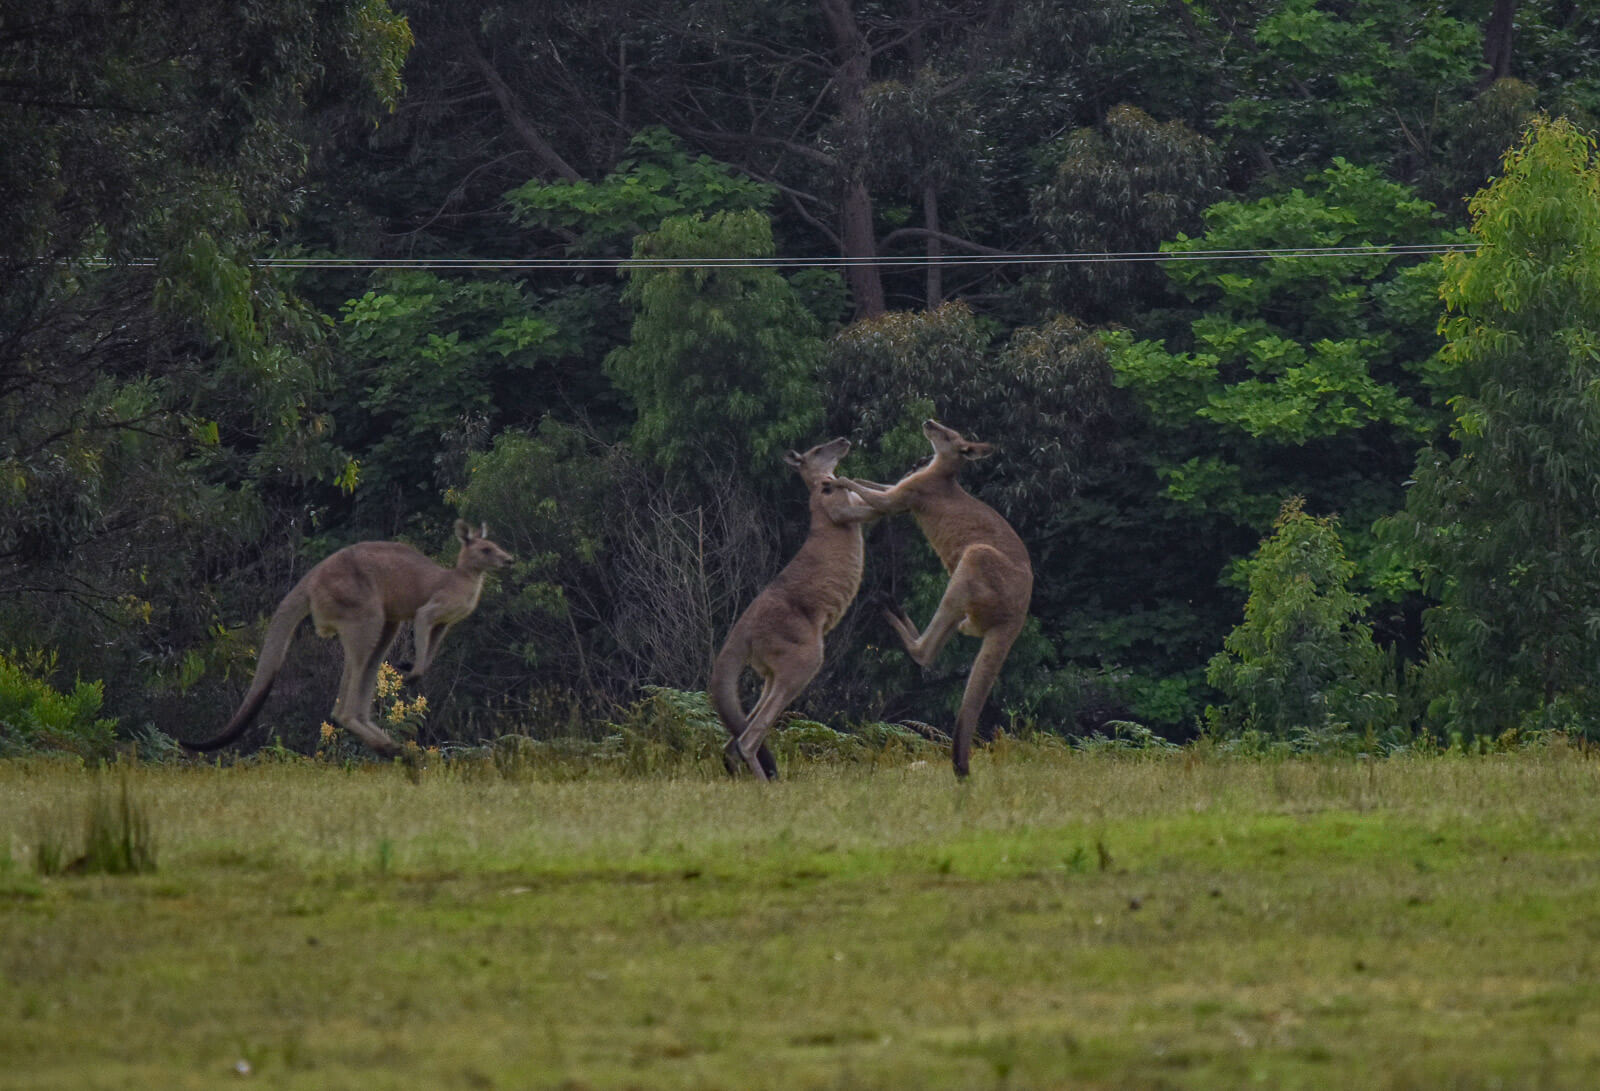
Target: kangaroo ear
793,458
977,450
463,530
483,530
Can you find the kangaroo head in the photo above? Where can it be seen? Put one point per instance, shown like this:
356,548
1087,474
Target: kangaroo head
478,553
816,465
949,444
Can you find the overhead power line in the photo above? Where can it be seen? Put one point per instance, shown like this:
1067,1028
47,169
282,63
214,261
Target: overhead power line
900,261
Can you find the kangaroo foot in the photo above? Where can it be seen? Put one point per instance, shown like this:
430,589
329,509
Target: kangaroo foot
374,736
732,760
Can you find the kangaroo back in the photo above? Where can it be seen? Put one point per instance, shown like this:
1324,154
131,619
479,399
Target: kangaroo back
285,619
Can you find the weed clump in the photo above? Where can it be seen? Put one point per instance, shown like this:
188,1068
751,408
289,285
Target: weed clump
117,840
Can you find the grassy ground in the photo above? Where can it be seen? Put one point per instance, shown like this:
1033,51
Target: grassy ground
1062,920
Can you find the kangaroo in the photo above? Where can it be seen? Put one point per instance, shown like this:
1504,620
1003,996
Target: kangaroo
363,592
991,578
780,634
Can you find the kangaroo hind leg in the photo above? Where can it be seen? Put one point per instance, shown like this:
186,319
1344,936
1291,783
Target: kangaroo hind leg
925,646
733,758
366,641
790,674
980,680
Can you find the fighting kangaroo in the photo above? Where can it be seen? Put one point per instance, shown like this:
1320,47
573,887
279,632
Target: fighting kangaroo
780,633
991,578
363,592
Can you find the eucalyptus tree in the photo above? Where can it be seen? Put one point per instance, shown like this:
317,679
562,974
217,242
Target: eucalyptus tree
1504,520
1124,185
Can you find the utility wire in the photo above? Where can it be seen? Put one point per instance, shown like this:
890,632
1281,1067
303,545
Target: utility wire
1081,258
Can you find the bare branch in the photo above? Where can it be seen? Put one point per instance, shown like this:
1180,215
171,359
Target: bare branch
520,124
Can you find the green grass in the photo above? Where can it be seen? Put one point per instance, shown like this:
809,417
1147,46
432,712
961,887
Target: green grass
1062,920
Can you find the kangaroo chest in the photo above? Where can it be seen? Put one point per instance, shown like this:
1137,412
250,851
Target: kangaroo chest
825,575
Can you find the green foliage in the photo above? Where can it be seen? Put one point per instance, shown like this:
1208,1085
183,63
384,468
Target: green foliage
35,716
1557,45
670,732
547,497
440,364
1126,185
117,838
723,359
172,433
886,375
1125,737
657,180
1359,80
800,740
1506,531
1038,396
1300,376
922,135
1478,132
668,727
1303,663
160,393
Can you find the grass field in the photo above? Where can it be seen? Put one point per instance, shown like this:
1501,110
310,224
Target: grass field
1062,920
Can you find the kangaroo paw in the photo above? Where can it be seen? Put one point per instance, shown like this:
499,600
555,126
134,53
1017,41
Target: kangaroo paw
896,616
887,603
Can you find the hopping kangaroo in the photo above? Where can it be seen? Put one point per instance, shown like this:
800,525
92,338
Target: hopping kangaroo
780,633
991,578
363,592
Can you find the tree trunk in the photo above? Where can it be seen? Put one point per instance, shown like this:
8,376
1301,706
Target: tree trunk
855,206
1497,35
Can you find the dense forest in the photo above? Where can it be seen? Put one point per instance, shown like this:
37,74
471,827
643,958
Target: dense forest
284,276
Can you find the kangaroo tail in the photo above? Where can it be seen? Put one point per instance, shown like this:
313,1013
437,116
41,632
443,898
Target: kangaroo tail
285,619
980,680
725,670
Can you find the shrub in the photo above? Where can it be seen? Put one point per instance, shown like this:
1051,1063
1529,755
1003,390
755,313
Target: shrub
676,732
36,716
1303,664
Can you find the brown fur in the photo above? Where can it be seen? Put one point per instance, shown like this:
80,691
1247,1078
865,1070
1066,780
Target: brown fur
991,578
362,593
780,634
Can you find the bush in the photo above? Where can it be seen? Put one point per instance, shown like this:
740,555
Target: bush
36,716
676,732
1303,665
